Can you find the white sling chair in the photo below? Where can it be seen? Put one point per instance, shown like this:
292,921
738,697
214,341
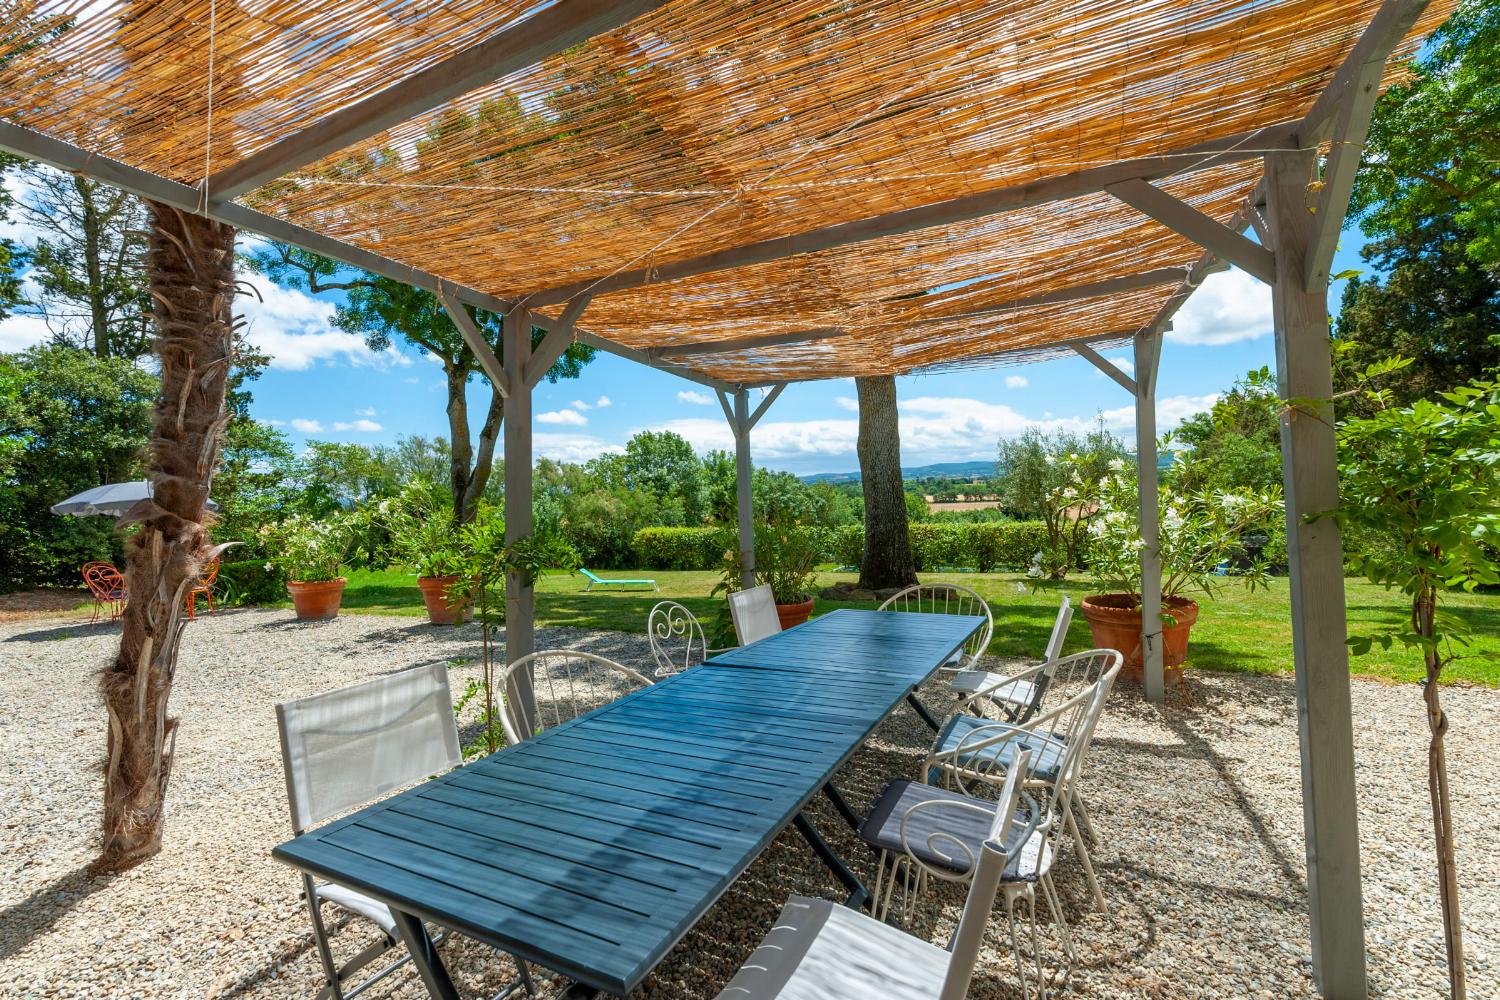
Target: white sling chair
754,614
1016,695
343,749
820,950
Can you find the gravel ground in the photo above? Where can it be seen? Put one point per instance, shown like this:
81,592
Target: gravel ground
1198,806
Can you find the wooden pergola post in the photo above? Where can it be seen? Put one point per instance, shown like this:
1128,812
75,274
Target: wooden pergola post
520,595
1304,371
1147,358
741,421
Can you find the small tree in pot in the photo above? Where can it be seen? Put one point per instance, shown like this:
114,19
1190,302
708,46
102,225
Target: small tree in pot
311,552
1200,533
429,543
786,559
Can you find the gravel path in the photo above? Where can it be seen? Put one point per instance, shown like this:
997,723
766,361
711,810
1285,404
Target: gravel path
1198,805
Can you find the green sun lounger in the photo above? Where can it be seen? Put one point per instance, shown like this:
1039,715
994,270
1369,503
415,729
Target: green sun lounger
615,583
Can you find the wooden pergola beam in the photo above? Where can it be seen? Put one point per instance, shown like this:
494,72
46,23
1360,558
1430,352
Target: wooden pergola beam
1390,24
1231,149
747,343
549,31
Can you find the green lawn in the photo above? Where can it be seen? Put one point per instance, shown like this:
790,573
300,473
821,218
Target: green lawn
1239,631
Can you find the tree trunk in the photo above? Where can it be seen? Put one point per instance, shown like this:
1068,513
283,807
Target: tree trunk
1423,610
98,314
484,459
887,559
190,269
460,452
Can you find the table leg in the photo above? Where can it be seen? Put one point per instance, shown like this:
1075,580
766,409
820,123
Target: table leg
859,896
839,803
922,711
424,957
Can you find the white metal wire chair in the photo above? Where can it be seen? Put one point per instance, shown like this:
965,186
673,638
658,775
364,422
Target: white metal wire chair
567,683
820,949
1013,700
948,599
343,749
676,635
754,614
1021,695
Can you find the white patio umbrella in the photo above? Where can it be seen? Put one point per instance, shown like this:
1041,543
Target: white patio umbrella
110,500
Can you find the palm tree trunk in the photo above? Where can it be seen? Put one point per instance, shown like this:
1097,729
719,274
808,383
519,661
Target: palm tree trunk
887,558
190,270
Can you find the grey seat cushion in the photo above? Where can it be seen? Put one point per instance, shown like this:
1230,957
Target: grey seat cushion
1046,754
933,835
357,902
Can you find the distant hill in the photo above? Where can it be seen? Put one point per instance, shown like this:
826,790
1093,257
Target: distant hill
940,470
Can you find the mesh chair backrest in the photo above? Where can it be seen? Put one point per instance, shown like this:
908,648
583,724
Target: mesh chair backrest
676,636
1060,630
565,684
947,599
986,882
754,614
344,748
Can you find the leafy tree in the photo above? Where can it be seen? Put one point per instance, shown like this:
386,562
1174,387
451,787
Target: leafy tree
255,485
1433,149
69,421
385,311
1028,467
664,464
1236,445
12,257
1435,305
1424,479
87,261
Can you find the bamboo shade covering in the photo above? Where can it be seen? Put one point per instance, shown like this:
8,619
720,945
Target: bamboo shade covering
711,124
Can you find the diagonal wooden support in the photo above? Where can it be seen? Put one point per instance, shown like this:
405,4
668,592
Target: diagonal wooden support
1106,366
551,30
1391,23
483,352
555,345
765,404
1207,232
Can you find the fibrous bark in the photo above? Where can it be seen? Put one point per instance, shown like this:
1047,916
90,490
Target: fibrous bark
190,269
887,558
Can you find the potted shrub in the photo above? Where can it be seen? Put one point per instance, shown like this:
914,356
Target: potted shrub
1200,532
786,558
310,553
428,541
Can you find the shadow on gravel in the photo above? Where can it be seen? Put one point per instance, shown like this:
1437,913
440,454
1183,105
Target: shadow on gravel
35,915
73,631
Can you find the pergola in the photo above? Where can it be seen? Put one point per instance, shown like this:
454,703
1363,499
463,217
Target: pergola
753,194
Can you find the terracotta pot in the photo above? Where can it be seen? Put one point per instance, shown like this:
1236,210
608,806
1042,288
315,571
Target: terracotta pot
435,595
794,614
1115,620
316,600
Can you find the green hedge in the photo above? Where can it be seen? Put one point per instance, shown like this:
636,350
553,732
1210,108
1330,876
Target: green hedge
985,546
680,548
249,581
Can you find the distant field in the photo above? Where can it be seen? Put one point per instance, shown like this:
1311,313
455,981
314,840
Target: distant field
935,506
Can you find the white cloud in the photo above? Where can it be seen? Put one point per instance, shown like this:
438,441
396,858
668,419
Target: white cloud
368,411
580,405
570,417
1124,364
602,402
366,426
297,331
306,426
1016,381
19,332
1170,411
412,380
848,403
694,397
274,423
1226,308
573,447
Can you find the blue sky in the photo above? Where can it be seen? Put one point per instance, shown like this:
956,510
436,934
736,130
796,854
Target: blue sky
325,384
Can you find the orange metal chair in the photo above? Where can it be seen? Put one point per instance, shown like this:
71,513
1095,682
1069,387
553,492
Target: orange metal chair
107,586
204,586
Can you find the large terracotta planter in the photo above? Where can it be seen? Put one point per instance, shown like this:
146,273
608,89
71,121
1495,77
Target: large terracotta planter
794,614
1115,620
435,595
316,600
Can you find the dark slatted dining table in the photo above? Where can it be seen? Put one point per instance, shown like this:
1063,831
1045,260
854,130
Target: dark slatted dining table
593,847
